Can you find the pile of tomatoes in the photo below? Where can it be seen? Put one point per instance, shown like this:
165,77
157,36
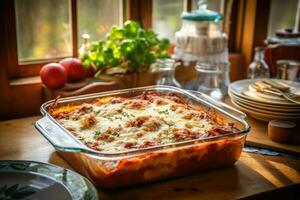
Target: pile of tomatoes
56,75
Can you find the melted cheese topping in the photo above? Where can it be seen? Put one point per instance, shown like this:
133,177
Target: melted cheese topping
118,124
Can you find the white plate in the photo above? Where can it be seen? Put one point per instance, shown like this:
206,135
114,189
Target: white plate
267,111
265,117
264,106
261,100
239,87
263,97
35,180
256,94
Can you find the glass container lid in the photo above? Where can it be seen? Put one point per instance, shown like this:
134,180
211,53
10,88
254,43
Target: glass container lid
202,14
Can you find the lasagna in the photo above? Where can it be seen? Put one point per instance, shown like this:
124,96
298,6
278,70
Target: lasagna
118,124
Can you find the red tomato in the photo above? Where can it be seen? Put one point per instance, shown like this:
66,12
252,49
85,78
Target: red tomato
74,69
53,75
89,72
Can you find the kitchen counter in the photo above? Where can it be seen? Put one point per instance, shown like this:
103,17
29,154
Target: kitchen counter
253,176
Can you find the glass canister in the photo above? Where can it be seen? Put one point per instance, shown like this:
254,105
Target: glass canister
213,79
200,37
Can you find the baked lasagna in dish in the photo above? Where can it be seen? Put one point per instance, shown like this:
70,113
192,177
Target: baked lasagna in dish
130,126
117,124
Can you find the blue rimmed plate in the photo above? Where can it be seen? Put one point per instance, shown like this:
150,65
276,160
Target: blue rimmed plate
35,180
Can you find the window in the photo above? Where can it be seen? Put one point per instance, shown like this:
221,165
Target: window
96,17
166,17
282,15
166,14
44,28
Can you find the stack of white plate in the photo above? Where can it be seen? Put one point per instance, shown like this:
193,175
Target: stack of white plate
262,106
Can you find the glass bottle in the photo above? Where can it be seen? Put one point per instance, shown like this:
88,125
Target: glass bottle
258,68
85,47
166,74
213,79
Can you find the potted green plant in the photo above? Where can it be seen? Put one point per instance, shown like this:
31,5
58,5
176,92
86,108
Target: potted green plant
126,52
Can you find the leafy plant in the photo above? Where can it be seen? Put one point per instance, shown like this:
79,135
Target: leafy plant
126,49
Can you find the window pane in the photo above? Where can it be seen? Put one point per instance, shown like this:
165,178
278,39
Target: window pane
282,15
166,17
96,17
43,29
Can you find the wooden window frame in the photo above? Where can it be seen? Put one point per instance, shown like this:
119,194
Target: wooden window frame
32,68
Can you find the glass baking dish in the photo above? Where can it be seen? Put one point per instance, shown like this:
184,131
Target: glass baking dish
114,170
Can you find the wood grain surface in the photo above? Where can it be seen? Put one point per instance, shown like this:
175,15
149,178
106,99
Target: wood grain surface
258,136
251,175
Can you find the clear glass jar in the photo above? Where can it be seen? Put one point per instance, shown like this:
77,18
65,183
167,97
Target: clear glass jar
200,37
258,68
213,79
166,74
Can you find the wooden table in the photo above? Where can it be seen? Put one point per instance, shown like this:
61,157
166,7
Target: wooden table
251,175
258,137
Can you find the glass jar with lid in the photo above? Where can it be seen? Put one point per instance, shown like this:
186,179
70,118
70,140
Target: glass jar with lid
200,37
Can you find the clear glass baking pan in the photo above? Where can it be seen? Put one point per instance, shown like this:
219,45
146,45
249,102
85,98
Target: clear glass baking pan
114,170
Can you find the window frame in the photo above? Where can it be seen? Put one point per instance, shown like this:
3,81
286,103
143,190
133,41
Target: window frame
32,68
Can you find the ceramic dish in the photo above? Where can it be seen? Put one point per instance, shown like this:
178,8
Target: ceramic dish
35,180
240,87
264,97
256,94
263,116
263,106
267,110
275,113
